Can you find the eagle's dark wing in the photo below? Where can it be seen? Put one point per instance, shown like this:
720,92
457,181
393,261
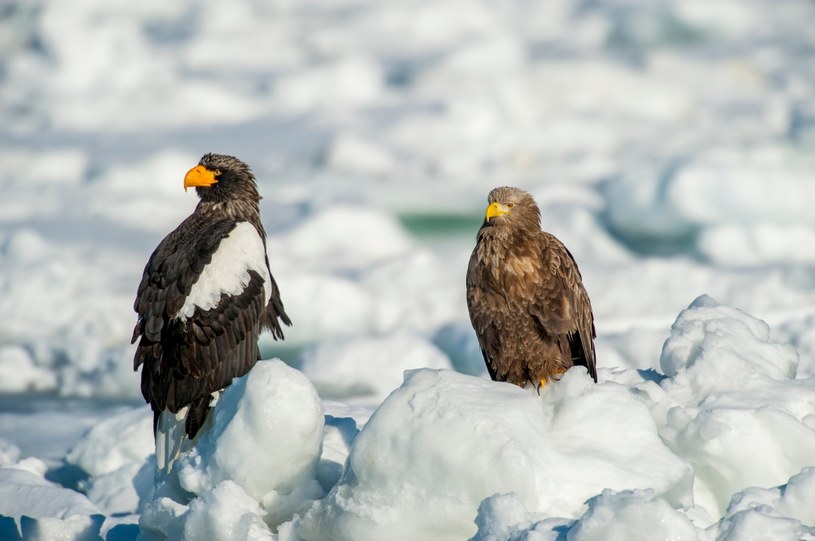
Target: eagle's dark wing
274,312
186,358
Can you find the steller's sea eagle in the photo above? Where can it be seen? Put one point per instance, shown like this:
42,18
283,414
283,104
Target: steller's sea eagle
205,295
527,302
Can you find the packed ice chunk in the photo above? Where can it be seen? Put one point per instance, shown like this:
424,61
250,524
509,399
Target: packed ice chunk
253,466
44,510
274,413
125,438
632,516
444,441
730,384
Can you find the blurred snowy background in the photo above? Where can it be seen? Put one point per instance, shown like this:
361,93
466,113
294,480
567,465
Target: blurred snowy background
670,145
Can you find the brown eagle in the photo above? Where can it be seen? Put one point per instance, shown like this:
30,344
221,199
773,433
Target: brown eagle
205,295
527,302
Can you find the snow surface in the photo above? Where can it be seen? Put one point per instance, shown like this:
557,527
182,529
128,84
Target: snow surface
448,455
670,145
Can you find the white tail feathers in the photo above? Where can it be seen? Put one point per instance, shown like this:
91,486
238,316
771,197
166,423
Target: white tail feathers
171,438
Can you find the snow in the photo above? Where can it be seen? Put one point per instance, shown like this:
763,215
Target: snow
19,373
45,511
631,515
784,512
728,383
328,239
254,464
448,455
669,145
444,441
367,369
255,412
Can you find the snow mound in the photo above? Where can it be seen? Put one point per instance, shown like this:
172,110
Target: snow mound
730,384
115,454
274,408
43,510
709,336
444,441
629,515
640,456
118,440
777,513
504,516
254,463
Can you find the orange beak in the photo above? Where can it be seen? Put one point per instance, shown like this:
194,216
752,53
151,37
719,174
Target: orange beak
199,176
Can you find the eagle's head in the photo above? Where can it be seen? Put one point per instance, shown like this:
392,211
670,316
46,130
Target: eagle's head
511,207
219,178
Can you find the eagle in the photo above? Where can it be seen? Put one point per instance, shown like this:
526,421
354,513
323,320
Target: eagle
525,295
206,294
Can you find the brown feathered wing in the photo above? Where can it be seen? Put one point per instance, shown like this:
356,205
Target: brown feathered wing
561,306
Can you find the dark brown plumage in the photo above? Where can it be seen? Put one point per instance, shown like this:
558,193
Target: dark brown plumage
527,302
205,295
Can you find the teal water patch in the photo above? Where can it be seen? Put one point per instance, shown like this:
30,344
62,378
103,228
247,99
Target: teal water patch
288,353
441,226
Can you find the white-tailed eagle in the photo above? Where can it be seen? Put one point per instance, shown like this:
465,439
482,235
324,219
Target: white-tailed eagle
526,298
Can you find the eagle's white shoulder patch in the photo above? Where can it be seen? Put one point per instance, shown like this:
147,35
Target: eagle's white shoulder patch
228,272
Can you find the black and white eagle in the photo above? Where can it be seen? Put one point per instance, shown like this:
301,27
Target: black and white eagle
206,294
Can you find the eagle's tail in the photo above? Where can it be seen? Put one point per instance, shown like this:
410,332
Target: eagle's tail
171,438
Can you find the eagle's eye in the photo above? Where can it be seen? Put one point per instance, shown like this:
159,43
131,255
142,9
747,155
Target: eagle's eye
217,172
510,205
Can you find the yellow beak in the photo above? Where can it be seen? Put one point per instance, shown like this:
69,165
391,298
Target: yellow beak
199,176
495,209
